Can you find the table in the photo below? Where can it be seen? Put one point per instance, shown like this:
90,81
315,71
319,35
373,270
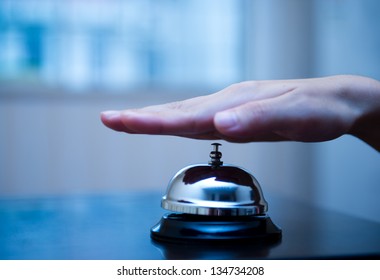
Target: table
117,226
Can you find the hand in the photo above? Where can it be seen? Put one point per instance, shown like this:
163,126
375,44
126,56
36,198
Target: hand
307,110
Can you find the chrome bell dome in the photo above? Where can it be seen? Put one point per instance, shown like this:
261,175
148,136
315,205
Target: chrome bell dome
215,189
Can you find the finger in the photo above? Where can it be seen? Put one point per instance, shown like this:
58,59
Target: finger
255,121
257,137
193,117
168,121
112,119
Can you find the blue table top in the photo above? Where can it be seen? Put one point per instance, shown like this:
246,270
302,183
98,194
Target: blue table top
117,226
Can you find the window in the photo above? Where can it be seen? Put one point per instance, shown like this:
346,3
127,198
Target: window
116,44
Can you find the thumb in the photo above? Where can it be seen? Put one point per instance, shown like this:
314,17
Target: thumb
250,120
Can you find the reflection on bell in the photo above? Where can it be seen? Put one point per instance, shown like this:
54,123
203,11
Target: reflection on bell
214,202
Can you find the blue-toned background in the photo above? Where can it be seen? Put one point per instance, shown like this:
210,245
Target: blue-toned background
62,62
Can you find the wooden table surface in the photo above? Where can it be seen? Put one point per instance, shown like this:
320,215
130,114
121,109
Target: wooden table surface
117,226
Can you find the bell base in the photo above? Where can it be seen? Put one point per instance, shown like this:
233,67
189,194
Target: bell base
185,228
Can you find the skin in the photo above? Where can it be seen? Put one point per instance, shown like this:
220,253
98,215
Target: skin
305,110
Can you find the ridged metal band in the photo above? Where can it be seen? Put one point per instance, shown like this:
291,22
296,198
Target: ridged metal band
190,208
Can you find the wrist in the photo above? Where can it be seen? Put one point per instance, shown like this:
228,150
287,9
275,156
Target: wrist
366,126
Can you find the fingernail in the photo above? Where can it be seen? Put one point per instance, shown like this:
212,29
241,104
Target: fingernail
225,120
110,114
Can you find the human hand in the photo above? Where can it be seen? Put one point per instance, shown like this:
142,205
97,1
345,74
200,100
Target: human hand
307,110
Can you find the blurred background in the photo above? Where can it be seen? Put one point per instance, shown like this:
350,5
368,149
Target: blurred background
63,62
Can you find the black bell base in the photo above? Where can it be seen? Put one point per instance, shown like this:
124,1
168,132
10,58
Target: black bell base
187,228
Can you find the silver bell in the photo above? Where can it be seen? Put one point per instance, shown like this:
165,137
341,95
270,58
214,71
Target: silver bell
214,203
215,189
